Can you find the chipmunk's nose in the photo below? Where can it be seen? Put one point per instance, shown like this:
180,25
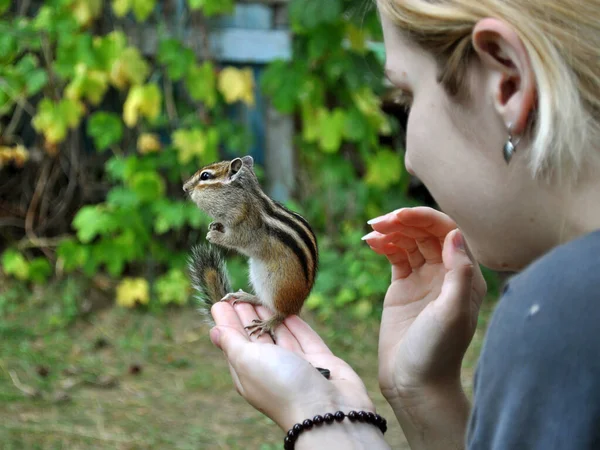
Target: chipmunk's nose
186,187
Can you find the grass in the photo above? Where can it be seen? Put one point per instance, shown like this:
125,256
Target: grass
124,379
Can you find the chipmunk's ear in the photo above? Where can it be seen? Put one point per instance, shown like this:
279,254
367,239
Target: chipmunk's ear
248,161
235,166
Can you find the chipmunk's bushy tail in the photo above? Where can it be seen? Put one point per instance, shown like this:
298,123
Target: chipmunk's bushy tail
208,272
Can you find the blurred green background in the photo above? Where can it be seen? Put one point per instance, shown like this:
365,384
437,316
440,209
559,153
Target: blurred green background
106,107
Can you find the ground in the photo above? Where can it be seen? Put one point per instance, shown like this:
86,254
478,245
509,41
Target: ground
123,379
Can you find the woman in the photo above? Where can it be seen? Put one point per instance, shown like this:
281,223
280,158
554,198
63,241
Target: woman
513,88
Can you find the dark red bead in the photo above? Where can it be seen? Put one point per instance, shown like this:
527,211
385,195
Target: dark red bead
352,416
339,416
371,417
307,424
362,416
328,418
297,429
292,434
318,420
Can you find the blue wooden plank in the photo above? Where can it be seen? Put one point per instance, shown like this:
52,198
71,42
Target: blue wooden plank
251,46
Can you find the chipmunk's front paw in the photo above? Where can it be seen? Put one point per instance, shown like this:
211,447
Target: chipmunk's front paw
216,226
216,235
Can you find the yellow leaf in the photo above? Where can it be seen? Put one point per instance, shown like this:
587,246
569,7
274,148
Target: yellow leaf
130,68
142,100
86,11
121,7
189,143
17,155
356,37
370,105
87,83
237,85
148,143
131,291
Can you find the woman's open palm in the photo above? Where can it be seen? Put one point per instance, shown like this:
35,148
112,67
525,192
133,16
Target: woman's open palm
431,307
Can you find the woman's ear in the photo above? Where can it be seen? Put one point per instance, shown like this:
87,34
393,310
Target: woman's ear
512,81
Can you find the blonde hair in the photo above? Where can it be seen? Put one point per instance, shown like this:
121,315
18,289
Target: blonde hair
562,38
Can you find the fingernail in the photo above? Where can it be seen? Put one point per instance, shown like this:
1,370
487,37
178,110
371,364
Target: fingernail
372,234
459,241
376,220
382,218
215,336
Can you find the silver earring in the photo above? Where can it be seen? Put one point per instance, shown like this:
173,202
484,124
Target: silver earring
510,147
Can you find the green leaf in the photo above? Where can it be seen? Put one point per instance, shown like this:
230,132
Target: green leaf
36,81
39,270
323,39
72,255
177,58
280,82
356,127
149,186
142,9
106,129
8,46
121,197
212,7
116,168
308,14
331,129
384,169
169,215
173,288
201,83
108,49
15,264
92,221
4,5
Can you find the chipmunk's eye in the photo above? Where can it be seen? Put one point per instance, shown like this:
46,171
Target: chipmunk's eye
206,176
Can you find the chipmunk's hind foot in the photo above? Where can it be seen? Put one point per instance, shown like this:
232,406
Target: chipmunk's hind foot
265,326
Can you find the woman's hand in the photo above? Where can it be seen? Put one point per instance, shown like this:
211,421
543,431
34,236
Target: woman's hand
282,380
431,307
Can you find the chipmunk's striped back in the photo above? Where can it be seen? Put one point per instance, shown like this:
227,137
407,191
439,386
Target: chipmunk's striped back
292,230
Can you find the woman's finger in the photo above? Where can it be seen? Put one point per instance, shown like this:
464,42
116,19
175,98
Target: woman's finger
248,316
283,336
419,222
415,258
308,339
376,239
225,316
431,249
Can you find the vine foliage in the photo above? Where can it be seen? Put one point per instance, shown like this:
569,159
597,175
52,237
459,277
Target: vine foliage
97,137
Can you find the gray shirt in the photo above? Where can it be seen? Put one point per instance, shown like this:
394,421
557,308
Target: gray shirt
537,383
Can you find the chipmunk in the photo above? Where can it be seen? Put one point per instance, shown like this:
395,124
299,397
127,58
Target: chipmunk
280,244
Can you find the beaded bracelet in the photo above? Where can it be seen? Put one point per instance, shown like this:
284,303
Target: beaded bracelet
362,416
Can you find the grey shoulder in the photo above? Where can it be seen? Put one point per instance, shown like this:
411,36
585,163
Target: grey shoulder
568,272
